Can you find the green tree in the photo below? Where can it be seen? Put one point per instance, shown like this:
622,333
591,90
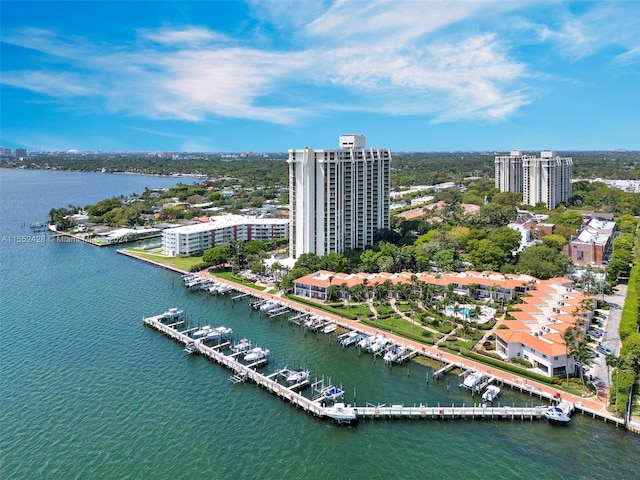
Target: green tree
542,262
486,255
554,241
218,255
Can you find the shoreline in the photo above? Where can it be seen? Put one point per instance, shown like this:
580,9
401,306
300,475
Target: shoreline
589,406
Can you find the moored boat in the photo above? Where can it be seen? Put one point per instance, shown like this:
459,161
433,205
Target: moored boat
491,393
297,376
256,354
332,393
191,347
559,413
350,338
332,327
243,345
472,380
342,413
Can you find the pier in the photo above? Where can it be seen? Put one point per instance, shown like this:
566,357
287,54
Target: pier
338,411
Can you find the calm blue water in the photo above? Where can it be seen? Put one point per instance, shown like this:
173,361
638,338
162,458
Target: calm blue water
86,391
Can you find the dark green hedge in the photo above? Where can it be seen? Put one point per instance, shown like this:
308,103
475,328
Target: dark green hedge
631,310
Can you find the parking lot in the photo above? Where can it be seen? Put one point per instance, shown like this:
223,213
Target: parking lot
606,337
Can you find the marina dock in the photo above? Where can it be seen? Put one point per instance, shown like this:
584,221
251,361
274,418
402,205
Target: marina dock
316,407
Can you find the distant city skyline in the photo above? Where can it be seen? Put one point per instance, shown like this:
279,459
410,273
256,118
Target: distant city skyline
233,76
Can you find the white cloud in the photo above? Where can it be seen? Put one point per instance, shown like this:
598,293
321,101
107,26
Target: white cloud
447,61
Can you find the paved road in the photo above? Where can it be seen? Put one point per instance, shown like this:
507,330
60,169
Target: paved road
611,338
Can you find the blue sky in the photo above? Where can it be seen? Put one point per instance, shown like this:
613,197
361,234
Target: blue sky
269,75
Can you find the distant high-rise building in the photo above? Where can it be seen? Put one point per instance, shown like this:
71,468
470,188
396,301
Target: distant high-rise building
20,152
339,199
509,172
546,179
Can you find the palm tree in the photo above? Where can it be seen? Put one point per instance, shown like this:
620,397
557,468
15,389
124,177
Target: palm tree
569,336
613,361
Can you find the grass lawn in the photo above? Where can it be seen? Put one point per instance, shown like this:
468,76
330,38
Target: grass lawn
182,263
402,327
234,278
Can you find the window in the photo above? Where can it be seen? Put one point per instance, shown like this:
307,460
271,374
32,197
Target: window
580,255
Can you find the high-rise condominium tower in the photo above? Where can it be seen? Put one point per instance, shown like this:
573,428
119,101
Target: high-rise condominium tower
338,198
546,179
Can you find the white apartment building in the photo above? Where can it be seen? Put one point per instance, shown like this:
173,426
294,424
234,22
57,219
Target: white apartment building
508,171
546,179
195,239
338,198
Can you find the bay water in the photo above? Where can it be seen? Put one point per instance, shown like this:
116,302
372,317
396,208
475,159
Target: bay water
86,391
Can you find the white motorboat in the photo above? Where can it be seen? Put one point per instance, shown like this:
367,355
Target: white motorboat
332,327
332,393
365,341
378,344
219,333
172,314
270,305
342,413
395,354
256,354
472,380
350,338
202,332
297,376
243,346
491,393
558,413
191,347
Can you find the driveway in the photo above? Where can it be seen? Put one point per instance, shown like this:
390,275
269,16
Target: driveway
611,337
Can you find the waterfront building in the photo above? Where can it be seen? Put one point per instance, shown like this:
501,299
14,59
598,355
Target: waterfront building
195,239
538,319
339,198
545,179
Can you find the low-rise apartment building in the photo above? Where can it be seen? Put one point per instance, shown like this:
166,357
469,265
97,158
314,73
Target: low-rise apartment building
195,239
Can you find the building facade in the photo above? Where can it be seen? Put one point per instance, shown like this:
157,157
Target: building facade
339,198
195,239
545,179
508,172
